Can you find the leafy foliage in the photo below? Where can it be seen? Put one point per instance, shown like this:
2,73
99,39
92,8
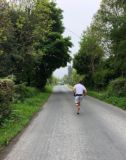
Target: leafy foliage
101,57
32,42
6,95
89,56
113,17
117,87
32,46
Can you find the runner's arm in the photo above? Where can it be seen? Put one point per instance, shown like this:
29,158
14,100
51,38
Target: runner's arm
85,91
74,90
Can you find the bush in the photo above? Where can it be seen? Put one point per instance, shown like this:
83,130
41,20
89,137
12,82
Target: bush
22,92
6,96
117,87
102,77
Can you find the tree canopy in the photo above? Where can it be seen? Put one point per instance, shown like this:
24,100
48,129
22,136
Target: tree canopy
102,52
32,44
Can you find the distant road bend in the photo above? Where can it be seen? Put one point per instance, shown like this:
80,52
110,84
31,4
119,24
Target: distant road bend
58,133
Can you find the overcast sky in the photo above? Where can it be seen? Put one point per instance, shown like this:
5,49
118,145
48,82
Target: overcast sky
77,17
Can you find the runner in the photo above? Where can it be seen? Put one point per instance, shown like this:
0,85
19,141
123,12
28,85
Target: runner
79,91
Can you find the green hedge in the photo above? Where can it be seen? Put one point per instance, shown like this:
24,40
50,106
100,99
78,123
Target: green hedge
22,92
117,87
6,96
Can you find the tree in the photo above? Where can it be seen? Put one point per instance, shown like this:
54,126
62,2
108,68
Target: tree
54,49
34,45
112,16
5,34
107,32
89,56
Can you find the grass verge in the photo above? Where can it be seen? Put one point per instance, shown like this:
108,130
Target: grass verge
116,101
22,112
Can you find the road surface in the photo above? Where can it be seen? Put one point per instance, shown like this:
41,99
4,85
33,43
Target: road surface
58,133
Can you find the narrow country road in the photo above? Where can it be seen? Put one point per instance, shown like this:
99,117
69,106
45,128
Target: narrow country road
58,133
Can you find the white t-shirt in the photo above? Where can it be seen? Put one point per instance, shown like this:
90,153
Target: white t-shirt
79,89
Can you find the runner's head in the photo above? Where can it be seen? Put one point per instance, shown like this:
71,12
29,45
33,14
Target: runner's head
81,82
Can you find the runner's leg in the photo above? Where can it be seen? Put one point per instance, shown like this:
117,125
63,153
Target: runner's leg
78,108
77,102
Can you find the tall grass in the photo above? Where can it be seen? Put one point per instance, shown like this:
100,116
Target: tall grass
104,96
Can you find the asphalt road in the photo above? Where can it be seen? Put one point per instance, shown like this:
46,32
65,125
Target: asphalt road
58,133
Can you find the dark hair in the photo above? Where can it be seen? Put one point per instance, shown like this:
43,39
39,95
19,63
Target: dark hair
81,82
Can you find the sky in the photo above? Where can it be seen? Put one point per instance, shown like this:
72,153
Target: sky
77,15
